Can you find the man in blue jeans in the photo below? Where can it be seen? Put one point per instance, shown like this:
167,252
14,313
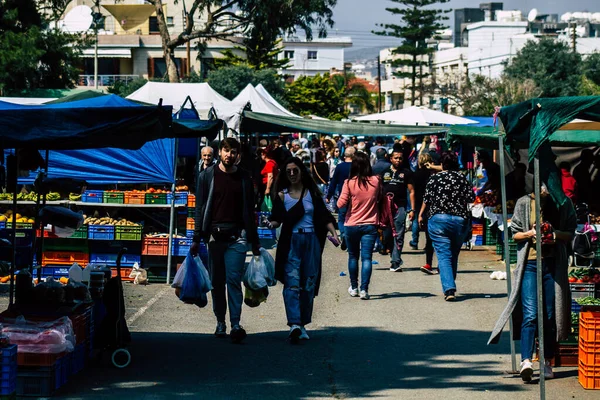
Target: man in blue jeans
398,181
341,173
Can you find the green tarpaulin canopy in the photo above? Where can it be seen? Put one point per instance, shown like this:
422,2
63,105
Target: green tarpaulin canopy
258,122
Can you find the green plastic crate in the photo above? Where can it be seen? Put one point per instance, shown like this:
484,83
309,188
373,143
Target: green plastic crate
81,233
66,244
113,197
156,198
128,232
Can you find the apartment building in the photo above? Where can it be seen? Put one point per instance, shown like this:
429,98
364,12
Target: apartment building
317,56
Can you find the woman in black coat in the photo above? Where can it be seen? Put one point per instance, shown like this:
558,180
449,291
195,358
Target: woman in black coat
300,210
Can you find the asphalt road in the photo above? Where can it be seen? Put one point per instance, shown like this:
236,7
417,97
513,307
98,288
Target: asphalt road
406,342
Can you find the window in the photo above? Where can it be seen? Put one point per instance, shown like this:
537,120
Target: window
289,54
170,21
157,67
153,25
312,55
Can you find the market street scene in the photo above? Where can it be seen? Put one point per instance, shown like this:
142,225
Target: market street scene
299,200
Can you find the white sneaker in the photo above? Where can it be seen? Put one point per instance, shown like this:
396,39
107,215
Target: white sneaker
548,373
304,335
295,332
526,370
364,295
353,292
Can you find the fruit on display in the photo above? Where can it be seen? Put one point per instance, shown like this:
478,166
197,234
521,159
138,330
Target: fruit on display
183,188
163,235
31,196
108,221
584,275
75,196
157,191
9,217
594,219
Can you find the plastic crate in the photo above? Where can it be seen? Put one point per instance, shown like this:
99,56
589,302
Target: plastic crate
181,198
64,258
155,246
589,326
8,374
8,386
579,290
125,272
80,233
156,198
190,224
78,358
181,246
67,244
125,232
8,353
589,376
79,327
20,225
189,233
266,233
491,237
36,382
589,352
110,259
101,232
135,198
37,359
55,272
477,229
478,240
575,307
113,197
23,237
191,202
93,196
2,224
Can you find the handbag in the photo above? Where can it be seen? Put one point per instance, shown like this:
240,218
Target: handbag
319,176
386,208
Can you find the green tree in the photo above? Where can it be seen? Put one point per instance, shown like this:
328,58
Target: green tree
319,95
591,67
553,67
420,24
260,54
225,18
123,89
230,81
356,92
588,87
33,55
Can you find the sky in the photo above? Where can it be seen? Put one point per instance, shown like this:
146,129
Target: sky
357,18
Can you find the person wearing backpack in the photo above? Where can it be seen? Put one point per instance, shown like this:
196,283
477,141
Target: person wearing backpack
300,210
360,196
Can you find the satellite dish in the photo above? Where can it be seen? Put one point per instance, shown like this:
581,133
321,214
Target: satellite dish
532,15
78,20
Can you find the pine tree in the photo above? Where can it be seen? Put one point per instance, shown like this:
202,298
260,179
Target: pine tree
419,24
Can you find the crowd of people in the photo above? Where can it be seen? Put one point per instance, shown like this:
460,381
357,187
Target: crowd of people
381,192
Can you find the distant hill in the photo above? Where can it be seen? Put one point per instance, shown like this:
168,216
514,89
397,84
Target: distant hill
365,53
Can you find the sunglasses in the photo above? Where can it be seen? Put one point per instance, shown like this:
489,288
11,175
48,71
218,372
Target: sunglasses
292,171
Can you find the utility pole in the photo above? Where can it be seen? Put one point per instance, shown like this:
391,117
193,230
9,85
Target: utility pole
96,20
379,82
187,45
574,37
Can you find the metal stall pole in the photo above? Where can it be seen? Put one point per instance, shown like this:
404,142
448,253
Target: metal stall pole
540,292
14,234
513,357
172,216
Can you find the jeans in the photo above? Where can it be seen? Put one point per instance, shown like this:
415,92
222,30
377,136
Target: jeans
415,228
341,220
301,273
447,233
428,248
227,261
530,309
400,224
361,240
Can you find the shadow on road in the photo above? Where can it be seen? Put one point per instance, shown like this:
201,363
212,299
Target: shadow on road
336,362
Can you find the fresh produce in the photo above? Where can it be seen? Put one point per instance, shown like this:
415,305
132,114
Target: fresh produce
31,196
108,221
163,235
584,275
75,197
9,217
588,301
183,188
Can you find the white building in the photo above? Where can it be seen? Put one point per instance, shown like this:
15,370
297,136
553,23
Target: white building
314,57
448,71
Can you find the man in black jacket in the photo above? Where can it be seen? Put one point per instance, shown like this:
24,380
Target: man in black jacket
225,212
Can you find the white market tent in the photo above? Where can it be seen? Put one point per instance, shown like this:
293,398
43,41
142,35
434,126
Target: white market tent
232,113
267,96
415,115
203,96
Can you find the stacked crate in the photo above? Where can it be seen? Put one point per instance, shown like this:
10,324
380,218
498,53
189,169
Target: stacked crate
589,349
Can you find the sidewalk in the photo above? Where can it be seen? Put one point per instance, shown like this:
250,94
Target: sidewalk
406,342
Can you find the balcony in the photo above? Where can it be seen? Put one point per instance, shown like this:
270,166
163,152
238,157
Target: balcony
104,80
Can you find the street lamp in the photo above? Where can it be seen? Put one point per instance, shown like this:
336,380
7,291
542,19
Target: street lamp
98,20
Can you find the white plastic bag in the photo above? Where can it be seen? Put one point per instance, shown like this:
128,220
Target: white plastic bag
256,274
270,266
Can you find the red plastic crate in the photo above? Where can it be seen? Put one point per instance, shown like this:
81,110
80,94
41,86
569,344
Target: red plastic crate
589,376
37,359
155,246
64,258
135,198
191,200
566,355
589,326
79,322
125,272
589,353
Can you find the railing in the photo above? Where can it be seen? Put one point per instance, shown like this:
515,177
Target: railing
104,80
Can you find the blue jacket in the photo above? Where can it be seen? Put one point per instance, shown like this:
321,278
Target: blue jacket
341,173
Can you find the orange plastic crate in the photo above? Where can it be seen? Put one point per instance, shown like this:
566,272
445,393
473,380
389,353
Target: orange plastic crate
589,376
589,326
477,229
191,200
125,272
589,353
65,258
191,224
37,359
155,246
135,198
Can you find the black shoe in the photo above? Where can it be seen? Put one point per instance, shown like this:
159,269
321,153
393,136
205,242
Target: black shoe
414,246
221,330
237,334
295,332
343,245
450,295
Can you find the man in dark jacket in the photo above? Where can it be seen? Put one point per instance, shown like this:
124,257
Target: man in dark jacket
341,173
231,223
382,162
